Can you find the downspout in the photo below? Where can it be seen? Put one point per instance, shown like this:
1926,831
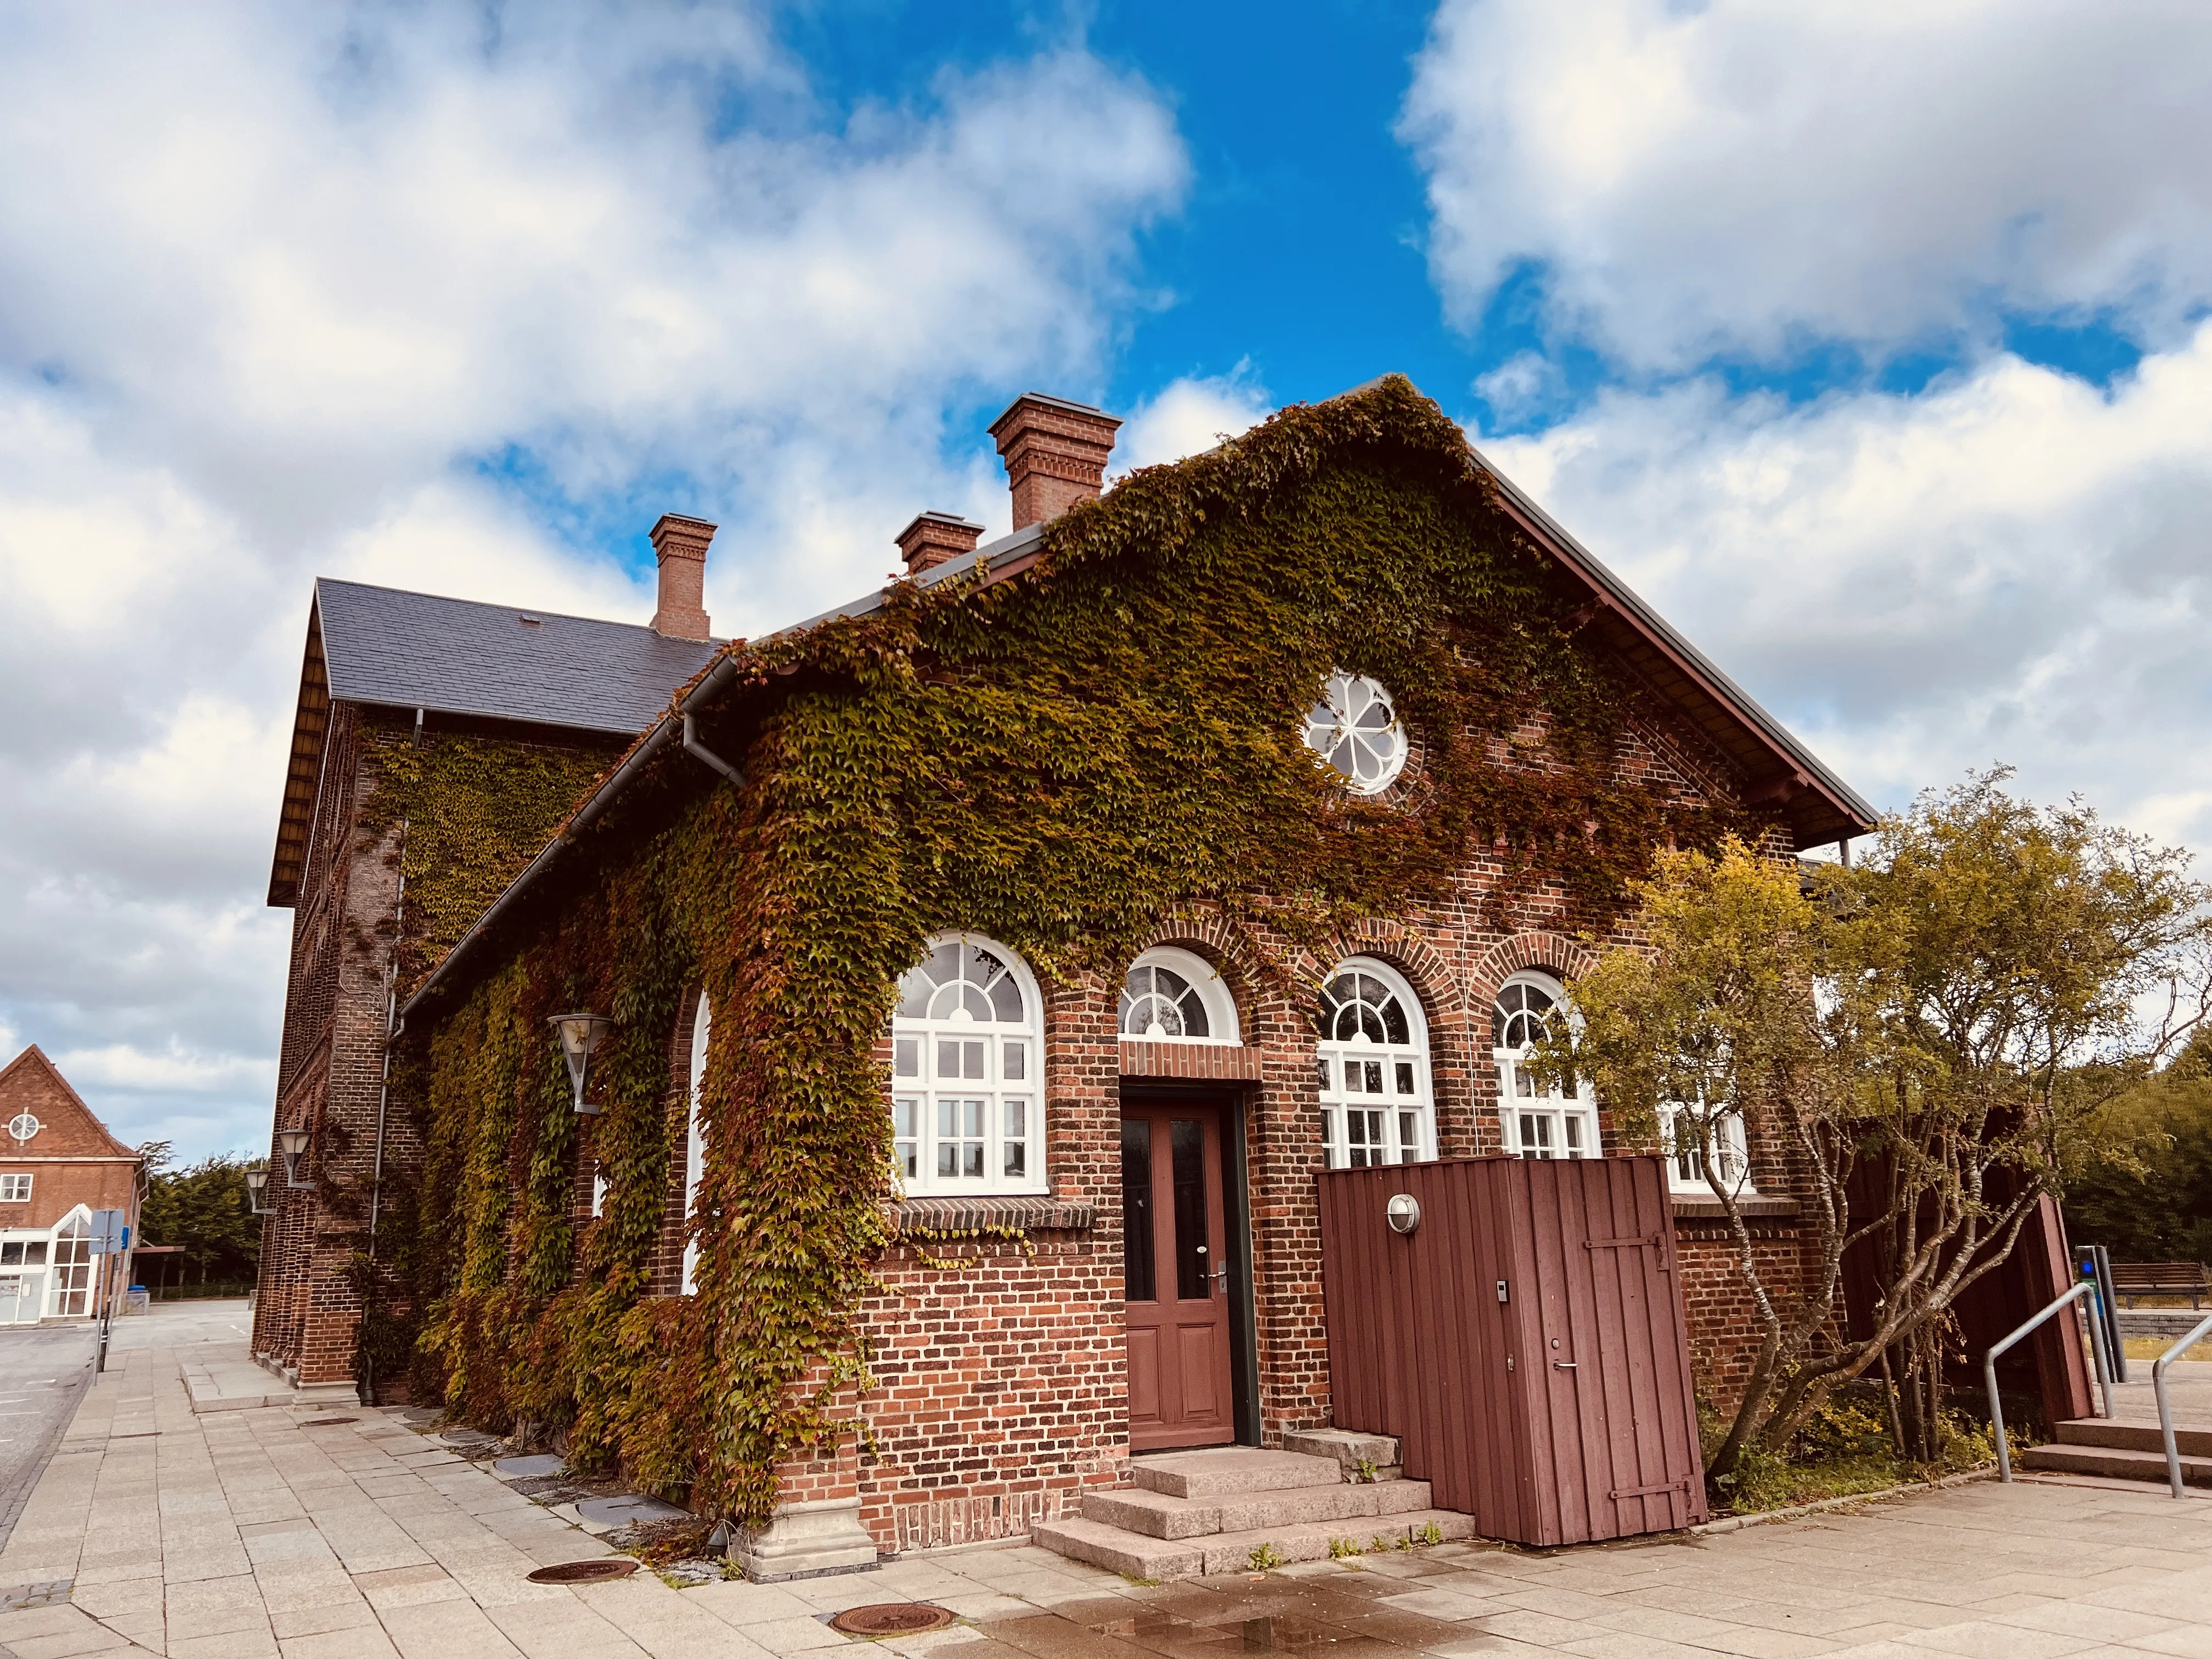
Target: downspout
384,1092
693,746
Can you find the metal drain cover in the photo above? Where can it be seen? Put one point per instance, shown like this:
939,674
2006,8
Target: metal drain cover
585,1572
891,1619
327,1422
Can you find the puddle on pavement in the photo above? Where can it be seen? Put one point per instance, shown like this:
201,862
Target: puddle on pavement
1270,1633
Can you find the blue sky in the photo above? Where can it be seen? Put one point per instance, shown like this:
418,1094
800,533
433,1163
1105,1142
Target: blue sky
1870,343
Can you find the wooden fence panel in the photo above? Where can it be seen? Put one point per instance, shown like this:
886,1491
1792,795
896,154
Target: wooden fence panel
1562,1413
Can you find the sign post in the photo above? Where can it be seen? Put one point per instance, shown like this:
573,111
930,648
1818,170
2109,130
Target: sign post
110,1236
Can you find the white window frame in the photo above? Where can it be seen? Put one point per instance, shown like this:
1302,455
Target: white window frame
69,1281
995,1082
1342,727
15,1189
1685,1172
1379,1134
1212,995
695,1144
1536,1123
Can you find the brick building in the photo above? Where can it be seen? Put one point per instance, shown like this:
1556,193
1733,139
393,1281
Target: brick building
58,1164
386,673
1103,1238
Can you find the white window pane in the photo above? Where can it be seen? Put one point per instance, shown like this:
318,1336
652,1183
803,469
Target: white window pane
1018,1120
1015,1062
906,1057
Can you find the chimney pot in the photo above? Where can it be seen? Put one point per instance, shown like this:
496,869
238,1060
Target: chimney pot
1056,454
934,538
681,544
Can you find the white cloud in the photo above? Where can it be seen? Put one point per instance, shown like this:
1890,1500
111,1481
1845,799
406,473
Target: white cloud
1738,176
450,299
2011,566
1189,415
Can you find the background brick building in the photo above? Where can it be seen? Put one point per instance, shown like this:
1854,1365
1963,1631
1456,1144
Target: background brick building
554,698
58,1163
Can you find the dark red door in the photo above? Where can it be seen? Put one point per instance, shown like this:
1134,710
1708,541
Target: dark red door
1175,1277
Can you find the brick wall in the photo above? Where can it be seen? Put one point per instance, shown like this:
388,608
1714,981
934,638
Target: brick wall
1001,1385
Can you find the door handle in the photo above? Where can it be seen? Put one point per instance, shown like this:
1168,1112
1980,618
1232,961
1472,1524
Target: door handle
1563,1365
1220,1278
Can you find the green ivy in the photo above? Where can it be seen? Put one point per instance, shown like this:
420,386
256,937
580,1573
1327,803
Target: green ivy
1061,761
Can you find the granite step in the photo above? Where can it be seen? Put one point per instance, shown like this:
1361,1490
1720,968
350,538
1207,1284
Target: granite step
1230,1471
1158,1516
2114,1462
1136,1555
1376,1453
2189,1440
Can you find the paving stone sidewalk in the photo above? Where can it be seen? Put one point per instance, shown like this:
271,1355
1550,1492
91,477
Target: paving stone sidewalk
249,1533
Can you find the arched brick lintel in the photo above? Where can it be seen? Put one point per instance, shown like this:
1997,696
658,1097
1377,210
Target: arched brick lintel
1547,952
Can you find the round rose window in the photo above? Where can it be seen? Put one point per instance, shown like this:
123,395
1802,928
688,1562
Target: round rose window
1355,729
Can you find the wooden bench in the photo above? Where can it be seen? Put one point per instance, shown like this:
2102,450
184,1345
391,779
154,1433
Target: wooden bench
2134,1279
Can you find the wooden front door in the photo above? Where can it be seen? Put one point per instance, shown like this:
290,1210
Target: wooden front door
1175,1277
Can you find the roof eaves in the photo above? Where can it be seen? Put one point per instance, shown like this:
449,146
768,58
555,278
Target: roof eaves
1848,801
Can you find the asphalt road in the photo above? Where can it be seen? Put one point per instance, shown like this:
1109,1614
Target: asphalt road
43,1371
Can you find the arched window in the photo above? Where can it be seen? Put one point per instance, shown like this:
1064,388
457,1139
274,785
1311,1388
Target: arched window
1376,1106
1174,996
1556,1119
965,1060
694,1141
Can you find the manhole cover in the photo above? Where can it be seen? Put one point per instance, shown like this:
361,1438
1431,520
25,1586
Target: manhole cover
327,1422
891,1619
584,1572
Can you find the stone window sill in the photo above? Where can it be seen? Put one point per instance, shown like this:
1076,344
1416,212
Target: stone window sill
1689,1208
958,1215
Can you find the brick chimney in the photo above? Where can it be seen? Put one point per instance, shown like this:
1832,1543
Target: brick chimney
1056,454
681,545
934,538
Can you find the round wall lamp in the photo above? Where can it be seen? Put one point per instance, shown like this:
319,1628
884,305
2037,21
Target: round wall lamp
1403,1213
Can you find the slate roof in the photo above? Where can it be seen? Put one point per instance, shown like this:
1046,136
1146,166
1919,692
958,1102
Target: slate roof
386,647
382,645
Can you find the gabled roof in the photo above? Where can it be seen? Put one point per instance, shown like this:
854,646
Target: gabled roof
402,650
387,647
31,1078
1819,805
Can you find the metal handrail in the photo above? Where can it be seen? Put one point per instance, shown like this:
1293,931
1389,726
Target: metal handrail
2085,1287
2165,1410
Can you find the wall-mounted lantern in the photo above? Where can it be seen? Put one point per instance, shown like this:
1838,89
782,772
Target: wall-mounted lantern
1403,1213
257,1184
580,1034
294,1145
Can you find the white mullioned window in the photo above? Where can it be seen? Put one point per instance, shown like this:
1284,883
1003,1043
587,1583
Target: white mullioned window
15,1189
1553,1120
695,1144
966,1098
1175,996
1375,1104
1687,1148
1355,728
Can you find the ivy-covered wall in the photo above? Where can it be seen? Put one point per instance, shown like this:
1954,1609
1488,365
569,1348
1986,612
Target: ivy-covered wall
1058,760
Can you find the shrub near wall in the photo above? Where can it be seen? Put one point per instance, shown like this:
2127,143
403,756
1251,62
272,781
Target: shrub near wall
1058,760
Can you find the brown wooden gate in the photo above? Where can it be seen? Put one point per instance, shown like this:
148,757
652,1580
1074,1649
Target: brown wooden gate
1525,1342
